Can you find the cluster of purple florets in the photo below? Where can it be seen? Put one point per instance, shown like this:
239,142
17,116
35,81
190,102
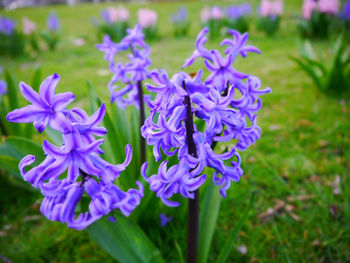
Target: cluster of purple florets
130,74
7,26
76,168
227,101
188,117
3,85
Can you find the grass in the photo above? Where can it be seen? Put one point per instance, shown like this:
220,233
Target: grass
305,144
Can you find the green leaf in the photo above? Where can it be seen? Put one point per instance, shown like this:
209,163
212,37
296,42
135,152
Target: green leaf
55,136
207,220
18,147
10,164
310,71
36,79
92,97
225,251
124,241
12,91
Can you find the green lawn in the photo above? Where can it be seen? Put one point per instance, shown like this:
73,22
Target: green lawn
305,145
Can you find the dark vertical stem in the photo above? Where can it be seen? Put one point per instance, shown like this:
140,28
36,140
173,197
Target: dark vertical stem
2,128
142,120
193,204
142,114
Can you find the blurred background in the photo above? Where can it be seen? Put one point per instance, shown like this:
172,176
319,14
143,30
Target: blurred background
299,168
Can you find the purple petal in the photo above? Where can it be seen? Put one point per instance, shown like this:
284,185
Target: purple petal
29,94
47,88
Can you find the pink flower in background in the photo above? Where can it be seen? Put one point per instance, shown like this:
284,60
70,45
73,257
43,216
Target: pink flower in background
308,7
328,6
112,14
147,17
205,14
276,7
271,8
265,8
28,26
123,14
217,13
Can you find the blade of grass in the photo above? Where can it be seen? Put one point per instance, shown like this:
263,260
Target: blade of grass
225,251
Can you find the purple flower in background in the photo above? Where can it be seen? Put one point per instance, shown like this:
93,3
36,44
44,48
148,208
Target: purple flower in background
7,25
346,10
106,17
53,23
181,16
3,85
226,102
75,168
237,11
46,108
164,219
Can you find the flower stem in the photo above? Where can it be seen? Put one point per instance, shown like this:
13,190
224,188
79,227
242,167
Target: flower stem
142,121
193,204
3,129
142,114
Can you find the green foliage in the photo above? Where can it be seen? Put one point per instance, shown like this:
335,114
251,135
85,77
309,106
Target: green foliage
215,26
240,24
268,24
331,76
12,45
181,28
226,249
318,26
51,39
151,33
207,221
10,101
116,31
124,240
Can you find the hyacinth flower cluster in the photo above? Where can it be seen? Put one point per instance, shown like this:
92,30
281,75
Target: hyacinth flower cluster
131,74
3,85
227,102
75,170
236,17
180,22
7,26
236,11
53,23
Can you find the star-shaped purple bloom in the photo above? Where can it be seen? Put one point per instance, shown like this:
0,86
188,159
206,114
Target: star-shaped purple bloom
46,108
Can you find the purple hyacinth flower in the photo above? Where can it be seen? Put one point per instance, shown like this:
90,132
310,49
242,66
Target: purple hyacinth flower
167,91
53,23
237,11
127,77
222,70
3,85
238,46
46,108
7,25
106,17
346,10
180,16
200,50
177,179
164,219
